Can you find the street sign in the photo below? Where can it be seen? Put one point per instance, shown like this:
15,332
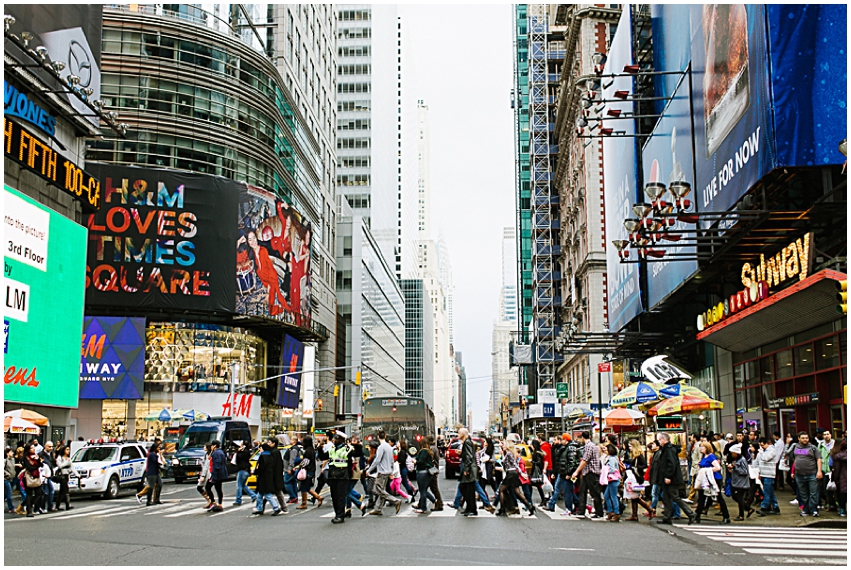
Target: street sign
547,396
523,390
604,367
561,389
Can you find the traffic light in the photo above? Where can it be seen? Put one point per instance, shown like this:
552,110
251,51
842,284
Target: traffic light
319,404
357,378
522,402
842,296
336,390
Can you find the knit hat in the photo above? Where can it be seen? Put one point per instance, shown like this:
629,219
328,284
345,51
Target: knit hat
737,449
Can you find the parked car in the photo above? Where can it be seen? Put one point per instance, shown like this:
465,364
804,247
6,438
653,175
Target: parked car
107,467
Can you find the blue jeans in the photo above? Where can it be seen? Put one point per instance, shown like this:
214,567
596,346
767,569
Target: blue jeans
656,493
611,497
564,487
47,495
406,482
23,490
479,491
291,485
7,492
268,497
769,500
353,496
809,491
241,487
423,481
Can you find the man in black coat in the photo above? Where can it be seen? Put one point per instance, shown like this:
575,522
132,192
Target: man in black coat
278,466
469,473
266,473
665,471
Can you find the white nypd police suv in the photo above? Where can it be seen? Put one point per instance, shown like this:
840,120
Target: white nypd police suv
107,467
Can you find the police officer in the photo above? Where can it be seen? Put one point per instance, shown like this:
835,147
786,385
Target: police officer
339,472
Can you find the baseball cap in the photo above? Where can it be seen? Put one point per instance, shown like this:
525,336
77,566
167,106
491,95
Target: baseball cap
728,436
341,433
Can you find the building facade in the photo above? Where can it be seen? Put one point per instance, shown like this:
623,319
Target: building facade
377,128
419,342
245,96
372,305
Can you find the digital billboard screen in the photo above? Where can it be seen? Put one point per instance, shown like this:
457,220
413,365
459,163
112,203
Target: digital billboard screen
162,240
292,360
112,364
44,273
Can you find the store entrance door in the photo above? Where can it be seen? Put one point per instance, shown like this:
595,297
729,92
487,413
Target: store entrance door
787,423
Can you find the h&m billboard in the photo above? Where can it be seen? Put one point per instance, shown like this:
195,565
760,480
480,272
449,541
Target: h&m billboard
184,241
44,272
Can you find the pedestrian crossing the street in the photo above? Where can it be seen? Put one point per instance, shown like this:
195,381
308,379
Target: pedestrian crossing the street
789,545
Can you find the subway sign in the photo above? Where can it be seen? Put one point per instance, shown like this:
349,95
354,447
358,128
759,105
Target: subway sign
32,154
794,260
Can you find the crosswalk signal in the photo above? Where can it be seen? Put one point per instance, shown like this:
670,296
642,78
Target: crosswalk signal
842,296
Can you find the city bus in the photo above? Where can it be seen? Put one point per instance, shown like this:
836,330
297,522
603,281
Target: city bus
400,417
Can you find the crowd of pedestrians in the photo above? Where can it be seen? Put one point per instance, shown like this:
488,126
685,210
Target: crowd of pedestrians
737,474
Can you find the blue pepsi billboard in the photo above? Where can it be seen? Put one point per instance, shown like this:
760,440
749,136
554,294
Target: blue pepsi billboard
292,360
620,171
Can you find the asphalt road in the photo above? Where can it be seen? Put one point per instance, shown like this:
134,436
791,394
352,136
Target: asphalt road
120,532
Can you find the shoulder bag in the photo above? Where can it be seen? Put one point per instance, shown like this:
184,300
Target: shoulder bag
604,475
30,481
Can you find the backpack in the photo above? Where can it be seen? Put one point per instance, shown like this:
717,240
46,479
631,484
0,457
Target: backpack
294,455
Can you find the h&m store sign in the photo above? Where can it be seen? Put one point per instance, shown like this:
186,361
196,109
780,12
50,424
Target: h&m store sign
794,260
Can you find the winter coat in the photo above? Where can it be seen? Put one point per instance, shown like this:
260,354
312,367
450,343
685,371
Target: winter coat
741,478
220,466
469,470
266,472
277,468
766,460
666,465
243,460
9,469
840,471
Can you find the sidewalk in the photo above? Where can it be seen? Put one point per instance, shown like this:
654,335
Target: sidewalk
790,515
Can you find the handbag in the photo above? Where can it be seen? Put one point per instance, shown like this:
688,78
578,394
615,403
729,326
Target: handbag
831,484
753,472
783,466
30,481
547,487
433,470
302,474
537,477
604,476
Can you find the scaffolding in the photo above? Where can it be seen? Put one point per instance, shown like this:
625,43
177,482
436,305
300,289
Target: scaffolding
546,56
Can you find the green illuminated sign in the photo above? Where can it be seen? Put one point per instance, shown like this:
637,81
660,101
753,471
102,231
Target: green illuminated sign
44,272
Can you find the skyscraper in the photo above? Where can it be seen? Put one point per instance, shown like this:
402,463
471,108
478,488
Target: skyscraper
376,128
508,292
423,172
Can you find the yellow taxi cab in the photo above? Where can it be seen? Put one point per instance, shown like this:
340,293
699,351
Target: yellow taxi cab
526,453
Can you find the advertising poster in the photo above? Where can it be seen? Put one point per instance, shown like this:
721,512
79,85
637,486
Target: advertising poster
292,360
72,34
668,157
734,130
162,240
113,358
44,271
809,64
620,171
272,259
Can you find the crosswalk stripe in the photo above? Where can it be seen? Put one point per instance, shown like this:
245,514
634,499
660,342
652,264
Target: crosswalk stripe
789,545
797,552
777,534
195,510
126,511
761,529
89,514
170,509
556,516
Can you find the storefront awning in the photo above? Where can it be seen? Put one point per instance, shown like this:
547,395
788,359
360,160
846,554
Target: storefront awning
807,304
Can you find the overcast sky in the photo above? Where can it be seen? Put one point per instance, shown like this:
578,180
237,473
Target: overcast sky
464,71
